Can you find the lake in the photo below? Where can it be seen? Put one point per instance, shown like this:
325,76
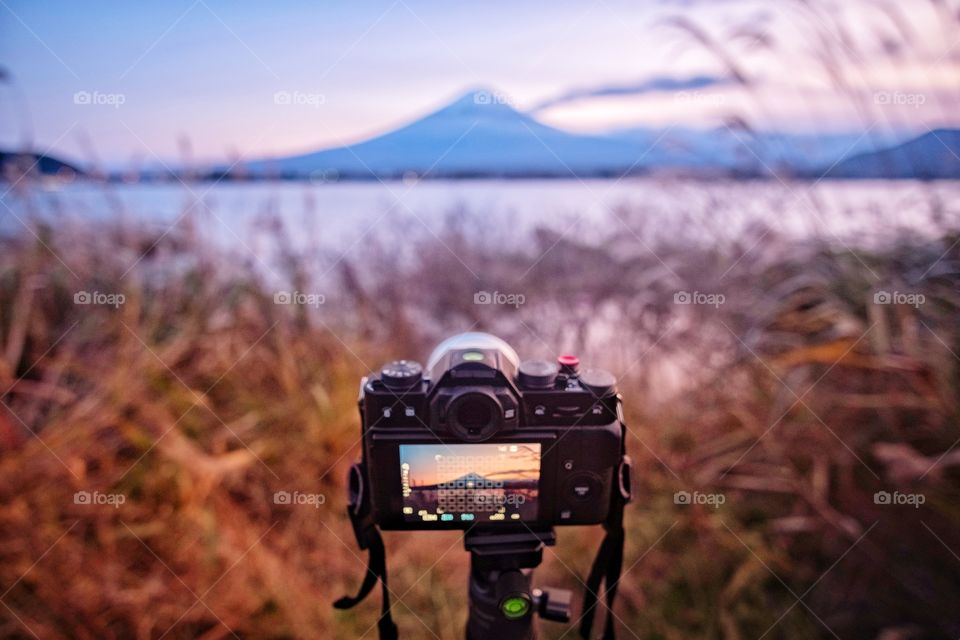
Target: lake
345,214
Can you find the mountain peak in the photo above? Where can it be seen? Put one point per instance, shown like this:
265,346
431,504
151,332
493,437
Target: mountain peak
480,100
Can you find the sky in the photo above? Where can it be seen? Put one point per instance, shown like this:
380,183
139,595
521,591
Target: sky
211,80
489,460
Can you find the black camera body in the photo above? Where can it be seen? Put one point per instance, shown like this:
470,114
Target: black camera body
480,439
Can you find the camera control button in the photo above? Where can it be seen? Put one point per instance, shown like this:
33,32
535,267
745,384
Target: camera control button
568,465
509,414
568,363
409,412
599,382
401,374
537,374
583,487
539,410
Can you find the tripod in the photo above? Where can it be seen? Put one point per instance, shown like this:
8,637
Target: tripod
501,600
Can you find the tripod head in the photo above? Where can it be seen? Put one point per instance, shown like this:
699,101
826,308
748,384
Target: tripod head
502,600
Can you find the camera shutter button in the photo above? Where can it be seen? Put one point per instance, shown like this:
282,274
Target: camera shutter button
568,364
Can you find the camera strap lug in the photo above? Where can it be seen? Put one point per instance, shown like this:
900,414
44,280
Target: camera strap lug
624,477
369,538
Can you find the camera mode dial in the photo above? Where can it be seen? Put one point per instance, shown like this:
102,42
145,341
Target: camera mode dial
599,382
401,374
537,374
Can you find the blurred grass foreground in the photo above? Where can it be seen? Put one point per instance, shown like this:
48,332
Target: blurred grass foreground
797,475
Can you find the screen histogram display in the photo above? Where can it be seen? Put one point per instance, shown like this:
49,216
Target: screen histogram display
470,482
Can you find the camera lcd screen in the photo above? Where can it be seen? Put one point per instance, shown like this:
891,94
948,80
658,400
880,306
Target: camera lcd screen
470,482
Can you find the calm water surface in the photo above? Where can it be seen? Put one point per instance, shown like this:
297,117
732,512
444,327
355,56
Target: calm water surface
340,215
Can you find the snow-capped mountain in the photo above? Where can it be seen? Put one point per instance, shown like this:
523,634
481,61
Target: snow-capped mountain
476,134
479,135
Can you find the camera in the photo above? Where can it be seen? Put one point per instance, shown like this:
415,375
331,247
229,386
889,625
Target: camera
479,438
505,450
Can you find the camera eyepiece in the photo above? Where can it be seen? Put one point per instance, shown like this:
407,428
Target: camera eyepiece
474,414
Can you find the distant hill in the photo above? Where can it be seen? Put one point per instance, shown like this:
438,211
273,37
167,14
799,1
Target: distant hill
932,156
15,163
760,152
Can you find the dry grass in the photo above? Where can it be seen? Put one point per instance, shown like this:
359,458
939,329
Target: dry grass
198,398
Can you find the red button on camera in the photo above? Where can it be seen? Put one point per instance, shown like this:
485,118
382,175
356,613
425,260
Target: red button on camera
568,363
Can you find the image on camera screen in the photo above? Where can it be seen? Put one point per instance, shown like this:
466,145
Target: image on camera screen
470,482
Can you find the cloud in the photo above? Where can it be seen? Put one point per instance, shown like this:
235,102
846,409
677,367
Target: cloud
656,84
